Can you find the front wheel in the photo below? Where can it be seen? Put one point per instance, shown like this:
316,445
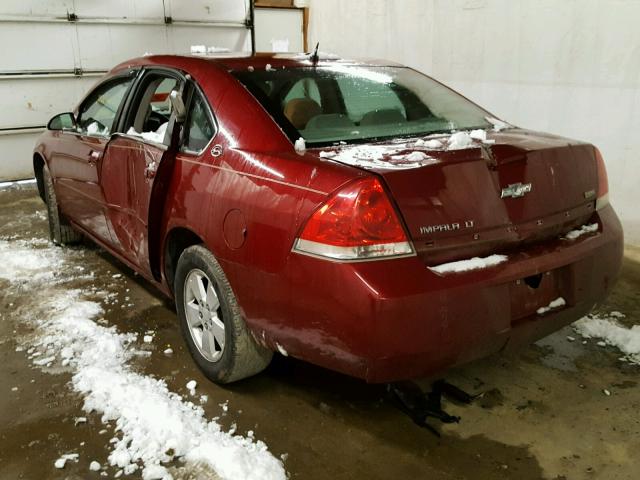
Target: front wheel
60,232
210,320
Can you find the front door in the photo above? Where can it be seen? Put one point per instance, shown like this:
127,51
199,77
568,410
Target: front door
76,163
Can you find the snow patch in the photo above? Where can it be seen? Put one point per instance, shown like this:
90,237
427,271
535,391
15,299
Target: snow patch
476,263
300,145
94,128
554,304
155,137
320,55
412,157
459,141
430,144
62,461
390,157
203,50
583,230
612,333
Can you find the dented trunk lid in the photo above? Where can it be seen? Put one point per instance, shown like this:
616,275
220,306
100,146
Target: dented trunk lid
519,187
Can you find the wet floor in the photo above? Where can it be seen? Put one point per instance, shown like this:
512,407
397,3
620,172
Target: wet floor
544,413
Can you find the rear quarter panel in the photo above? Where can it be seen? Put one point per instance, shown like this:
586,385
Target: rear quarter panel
249,203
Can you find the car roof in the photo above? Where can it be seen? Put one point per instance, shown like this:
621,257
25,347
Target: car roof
242,61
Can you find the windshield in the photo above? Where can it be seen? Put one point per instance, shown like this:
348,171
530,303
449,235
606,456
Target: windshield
342,103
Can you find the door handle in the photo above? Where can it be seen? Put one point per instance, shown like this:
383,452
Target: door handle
94,156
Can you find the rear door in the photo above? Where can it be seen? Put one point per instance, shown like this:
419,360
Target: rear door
133,161
77,160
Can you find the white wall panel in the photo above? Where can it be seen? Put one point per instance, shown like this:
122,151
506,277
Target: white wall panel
37,46
570,67
209,10
102,46
279,24
120,9
181,37
33,101
36,8
36,37
16,161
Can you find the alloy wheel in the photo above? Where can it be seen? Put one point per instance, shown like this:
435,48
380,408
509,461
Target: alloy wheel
203,314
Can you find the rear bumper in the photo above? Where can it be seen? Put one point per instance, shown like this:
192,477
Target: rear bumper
393,320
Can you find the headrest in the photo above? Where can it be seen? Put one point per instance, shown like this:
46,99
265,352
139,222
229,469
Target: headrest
300,110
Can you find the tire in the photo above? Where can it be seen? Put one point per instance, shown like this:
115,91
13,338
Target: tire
202,311
60,232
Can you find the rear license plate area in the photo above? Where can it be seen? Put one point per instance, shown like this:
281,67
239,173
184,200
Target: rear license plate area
530,293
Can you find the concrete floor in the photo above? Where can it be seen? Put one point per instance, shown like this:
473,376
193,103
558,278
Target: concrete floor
543,414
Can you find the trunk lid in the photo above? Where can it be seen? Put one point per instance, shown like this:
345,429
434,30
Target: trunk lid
519,187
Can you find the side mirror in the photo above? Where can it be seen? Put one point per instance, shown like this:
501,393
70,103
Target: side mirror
178,106
62,121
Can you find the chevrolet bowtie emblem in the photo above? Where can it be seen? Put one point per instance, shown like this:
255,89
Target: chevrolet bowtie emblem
515,190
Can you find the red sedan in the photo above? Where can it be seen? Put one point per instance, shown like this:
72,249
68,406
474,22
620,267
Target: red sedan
357,215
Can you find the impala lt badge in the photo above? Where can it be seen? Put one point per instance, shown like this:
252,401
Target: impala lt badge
516,190
446,227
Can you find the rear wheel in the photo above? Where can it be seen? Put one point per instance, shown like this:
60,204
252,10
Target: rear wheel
60,232
210,320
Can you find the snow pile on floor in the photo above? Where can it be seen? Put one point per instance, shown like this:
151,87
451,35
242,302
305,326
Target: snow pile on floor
62,461
18,183
475,263
22,260
554,304
612,333
583,230
152,425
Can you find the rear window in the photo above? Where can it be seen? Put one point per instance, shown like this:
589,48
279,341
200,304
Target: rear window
340,103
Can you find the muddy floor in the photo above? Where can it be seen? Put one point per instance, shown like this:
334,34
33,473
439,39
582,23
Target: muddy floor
544,412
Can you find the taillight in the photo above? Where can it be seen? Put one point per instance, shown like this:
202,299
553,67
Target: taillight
603,182
356,223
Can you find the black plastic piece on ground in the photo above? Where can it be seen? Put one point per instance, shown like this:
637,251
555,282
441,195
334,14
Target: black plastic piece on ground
420,406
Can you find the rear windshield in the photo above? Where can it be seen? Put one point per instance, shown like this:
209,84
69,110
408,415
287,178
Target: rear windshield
339,103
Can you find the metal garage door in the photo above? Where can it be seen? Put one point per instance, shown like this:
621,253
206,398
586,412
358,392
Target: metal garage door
54,50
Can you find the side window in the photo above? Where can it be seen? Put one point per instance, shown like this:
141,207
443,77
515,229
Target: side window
199,128
98,112
366,97
152,108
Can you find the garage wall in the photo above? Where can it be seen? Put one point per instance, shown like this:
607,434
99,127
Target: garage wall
54,50
570,67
